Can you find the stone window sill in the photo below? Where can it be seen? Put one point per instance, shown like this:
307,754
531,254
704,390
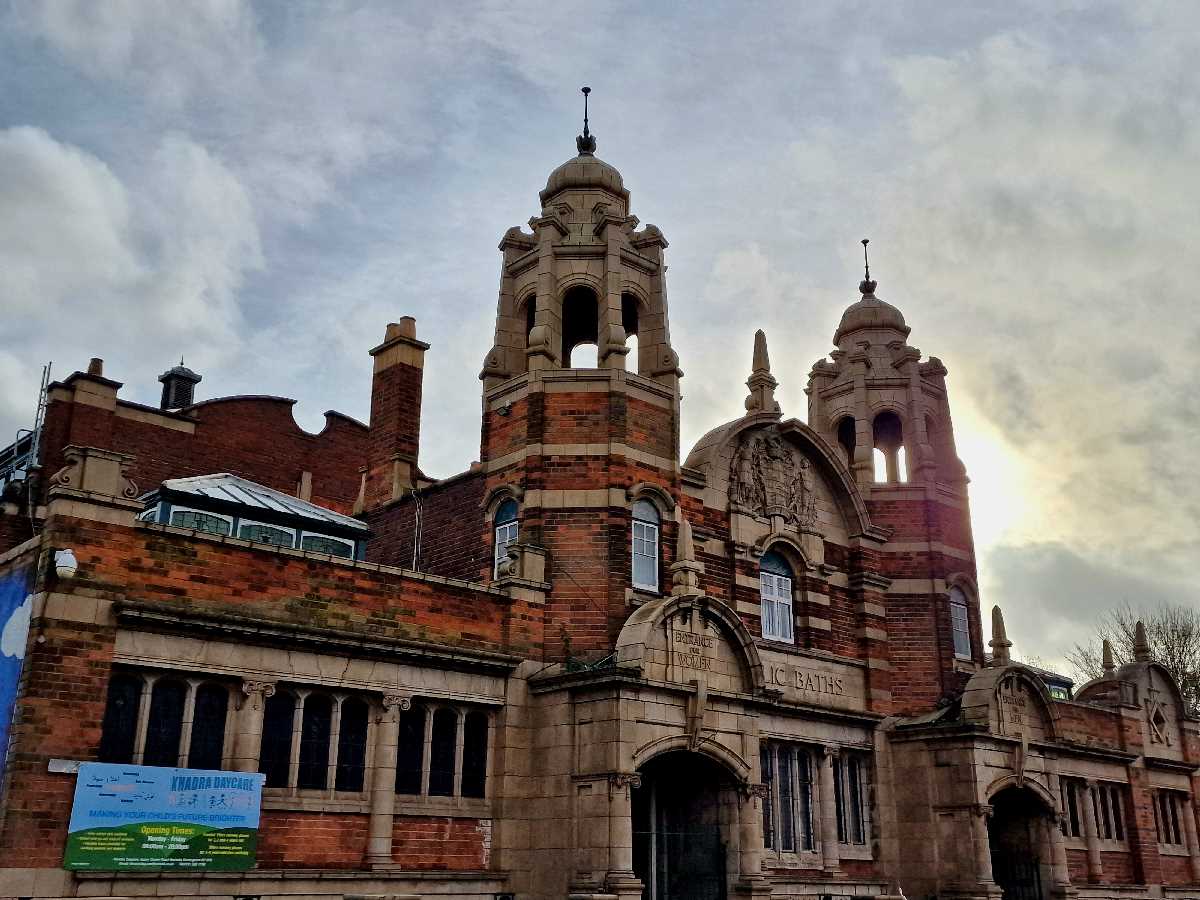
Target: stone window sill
1172,850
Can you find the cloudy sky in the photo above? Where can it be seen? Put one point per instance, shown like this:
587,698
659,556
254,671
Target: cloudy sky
262,186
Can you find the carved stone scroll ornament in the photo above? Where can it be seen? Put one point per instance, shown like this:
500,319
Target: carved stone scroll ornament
770,477
623,781
257,692
96,471
403,702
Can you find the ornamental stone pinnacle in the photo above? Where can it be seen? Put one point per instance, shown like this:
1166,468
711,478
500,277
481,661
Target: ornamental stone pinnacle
999,643
761,383
685,570
1141,644
1106,653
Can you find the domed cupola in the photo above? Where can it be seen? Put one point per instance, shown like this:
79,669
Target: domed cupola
870,314
585,172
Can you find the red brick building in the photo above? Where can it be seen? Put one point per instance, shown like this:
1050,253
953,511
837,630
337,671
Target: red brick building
588,667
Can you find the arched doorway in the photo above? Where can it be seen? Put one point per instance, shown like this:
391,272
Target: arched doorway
683,816
1020,840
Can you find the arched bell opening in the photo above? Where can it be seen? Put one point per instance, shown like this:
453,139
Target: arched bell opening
890,463
579,328
1020,840
685,825
847,438
630,315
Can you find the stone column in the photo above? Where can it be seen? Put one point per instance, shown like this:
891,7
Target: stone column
249,724
830,857
620,880
983,844
1193,844
1091,832
1058,853
750,836
383,780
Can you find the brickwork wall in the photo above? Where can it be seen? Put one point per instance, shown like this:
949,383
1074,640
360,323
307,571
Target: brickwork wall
428,842
65,681
290,839
155,564
452,540
15,527
254,437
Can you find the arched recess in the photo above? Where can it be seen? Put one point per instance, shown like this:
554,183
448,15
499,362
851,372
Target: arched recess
580,320
712,455
786,546
645,490
847,437
639,636
1004,782
728,759
887,430
983,703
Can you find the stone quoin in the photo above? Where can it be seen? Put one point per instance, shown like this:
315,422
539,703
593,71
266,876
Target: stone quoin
589,666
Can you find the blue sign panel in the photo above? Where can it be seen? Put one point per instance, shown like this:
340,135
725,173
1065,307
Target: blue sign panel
147,818
15,608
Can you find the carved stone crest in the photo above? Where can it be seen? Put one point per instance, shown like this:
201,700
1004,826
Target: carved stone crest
770,477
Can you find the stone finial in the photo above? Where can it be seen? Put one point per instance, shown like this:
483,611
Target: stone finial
1106,657
867,286
586,142
685,571
999,642
761,383
1141,644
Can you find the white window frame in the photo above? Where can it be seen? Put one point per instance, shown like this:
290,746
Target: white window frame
504,535
648,534
777,614
201,512
242,523
328,537
960,628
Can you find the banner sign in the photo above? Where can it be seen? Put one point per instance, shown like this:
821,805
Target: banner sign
148,818
15,608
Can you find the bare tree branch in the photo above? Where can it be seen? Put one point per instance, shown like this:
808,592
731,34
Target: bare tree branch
1174,635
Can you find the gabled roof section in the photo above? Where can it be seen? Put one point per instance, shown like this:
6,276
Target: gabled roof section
224,488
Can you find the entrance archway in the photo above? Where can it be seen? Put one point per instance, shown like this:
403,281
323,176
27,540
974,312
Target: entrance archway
1020,841
683,817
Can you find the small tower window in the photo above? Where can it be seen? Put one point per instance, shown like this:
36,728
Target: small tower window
960,624
847,436
890,464
645,545
505,532
629,321
775,594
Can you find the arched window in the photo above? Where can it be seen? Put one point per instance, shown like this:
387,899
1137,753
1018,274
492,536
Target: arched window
960,623
530,316
475,751
315,730
580,320
410,755
352,746
888,434
505,532
208,727
165,726
645,545
442,751
119,731
847,438
775,594
275,749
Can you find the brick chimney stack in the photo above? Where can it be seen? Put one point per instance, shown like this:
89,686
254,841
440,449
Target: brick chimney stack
395,414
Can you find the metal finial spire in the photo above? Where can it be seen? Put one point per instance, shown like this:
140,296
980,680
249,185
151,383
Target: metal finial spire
586,142
866,286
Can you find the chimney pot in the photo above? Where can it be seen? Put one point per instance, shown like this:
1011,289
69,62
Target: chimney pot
406,327
96,366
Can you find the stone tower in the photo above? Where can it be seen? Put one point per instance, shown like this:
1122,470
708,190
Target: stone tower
887,413
575,448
